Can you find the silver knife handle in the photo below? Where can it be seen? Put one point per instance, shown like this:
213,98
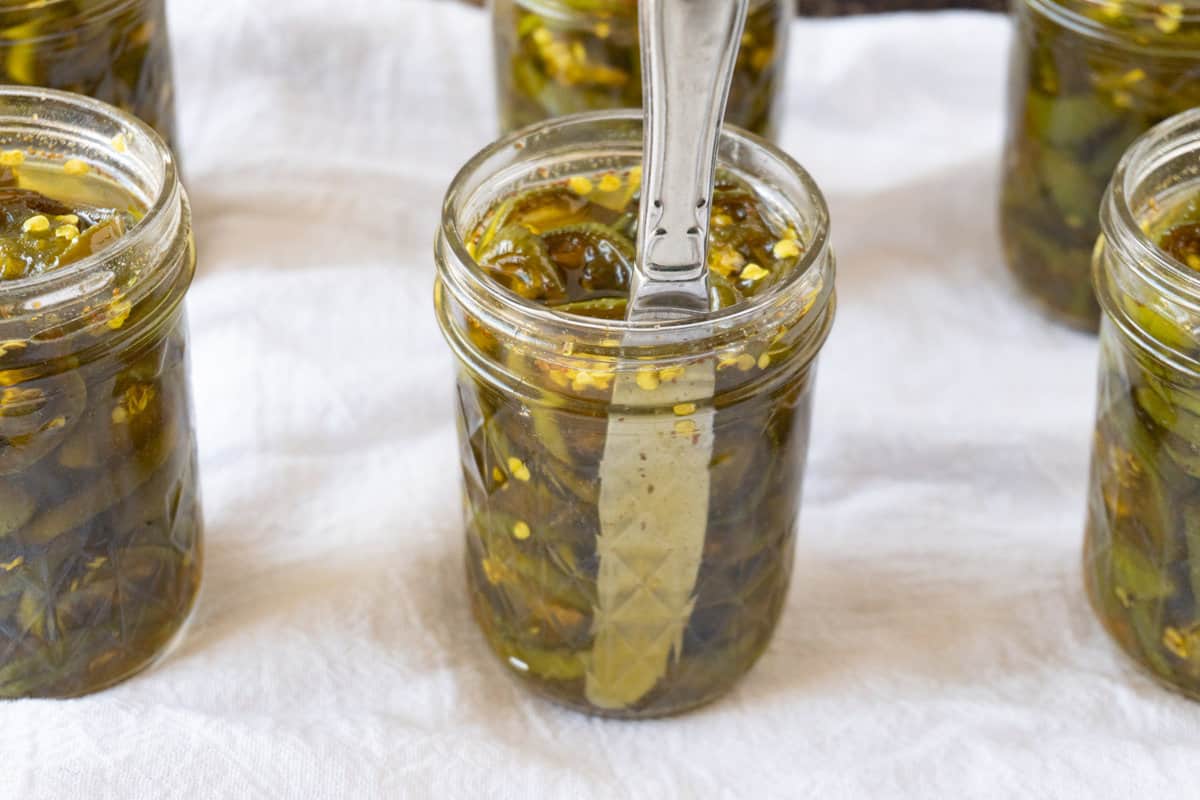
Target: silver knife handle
689,50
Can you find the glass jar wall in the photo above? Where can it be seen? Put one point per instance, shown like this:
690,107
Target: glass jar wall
1087,78
558,57
100,522
1142,551
535,399
113,50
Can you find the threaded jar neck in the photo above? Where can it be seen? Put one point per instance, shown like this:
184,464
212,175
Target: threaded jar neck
151,262
1149,295
801,304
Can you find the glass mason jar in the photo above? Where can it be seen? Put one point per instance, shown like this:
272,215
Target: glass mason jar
100,522
535,391
558,57
1142,552
1088,77
114,50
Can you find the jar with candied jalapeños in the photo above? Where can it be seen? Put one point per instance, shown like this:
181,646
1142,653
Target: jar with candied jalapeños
1142,552
558,57
99,515
1088,77
114,50
534,259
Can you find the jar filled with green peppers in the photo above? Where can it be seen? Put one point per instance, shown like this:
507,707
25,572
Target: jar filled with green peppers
534,257
1088,77
1142,552
117,51
558,57
100,524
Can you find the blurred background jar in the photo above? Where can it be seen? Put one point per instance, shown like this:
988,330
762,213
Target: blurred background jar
100,524
1142,551
558,57
113,50
1088,77
535,389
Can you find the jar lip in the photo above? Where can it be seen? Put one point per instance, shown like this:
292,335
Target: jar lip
475,281
155,210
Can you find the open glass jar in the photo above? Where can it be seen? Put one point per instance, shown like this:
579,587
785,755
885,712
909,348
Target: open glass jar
535,393
558,57
1088,77
1142,552
100,522
114,50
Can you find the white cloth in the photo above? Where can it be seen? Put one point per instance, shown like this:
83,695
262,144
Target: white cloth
936,642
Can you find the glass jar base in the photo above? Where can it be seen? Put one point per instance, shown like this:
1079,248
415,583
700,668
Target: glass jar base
1130,656
162,653
569,694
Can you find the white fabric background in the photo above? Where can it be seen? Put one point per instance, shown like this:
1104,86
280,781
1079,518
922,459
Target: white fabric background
936,642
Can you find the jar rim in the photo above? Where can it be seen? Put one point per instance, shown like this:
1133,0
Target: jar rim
1074,15
466,280
134,129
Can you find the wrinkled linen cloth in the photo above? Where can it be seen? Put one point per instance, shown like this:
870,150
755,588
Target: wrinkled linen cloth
936,641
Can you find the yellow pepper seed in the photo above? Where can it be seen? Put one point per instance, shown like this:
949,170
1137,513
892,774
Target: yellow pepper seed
580,185
685,409
753,272
11,565
610,183
118,313
518,469
11,158
746,362
1175,641
497,475
67,219
647,379
119,143
1133,76
1170,17
685,427
493,571
786,248
36,224
66,231
602,30
670,374
635,177
727,261
521,531
764,361
75,166
722,220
